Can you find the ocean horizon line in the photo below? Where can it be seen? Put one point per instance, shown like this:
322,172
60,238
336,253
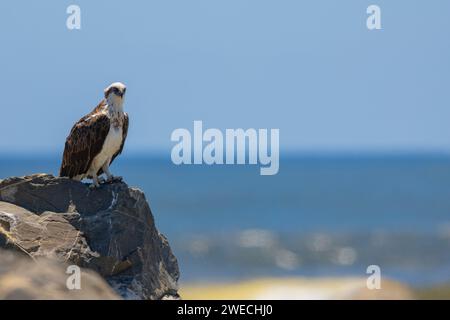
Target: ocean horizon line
156,154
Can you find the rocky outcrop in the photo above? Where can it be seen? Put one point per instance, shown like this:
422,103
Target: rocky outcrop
109,230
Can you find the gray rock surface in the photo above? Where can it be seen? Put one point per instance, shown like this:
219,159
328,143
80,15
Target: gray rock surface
109,230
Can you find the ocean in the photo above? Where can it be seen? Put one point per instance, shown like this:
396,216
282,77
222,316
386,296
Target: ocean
321,215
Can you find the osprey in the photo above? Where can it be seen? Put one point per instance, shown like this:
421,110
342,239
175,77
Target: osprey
97,139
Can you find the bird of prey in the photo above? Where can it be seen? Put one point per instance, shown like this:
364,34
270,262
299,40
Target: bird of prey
97,139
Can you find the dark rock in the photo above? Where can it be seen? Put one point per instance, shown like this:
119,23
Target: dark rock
44,279
109,230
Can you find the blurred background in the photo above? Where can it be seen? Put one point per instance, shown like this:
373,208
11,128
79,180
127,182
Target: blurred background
365,147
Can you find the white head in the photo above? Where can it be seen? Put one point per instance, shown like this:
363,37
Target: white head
115,94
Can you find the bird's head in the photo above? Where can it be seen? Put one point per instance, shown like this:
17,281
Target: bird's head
115,93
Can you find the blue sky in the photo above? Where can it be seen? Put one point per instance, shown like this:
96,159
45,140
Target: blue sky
310,68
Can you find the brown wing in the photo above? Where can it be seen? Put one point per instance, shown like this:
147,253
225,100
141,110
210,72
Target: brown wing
84,142
124,136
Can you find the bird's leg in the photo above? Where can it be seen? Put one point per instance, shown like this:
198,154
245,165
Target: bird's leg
95,183
109,177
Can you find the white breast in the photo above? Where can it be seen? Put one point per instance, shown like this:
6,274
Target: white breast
113,141
111,145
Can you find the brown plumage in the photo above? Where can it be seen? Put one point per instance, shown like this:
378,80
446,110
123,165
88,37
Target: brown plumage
86,140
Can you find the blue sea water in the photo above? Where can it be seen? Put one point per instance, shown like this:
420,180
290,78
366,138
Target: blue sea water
321,215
